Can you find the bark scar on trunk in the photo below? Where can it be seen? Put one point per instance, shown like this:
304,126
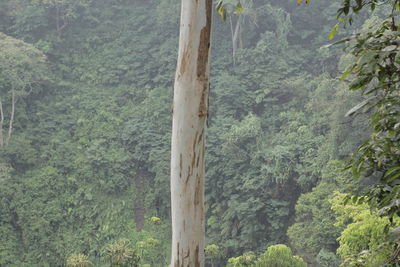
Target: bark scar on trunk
203,108
185,60
194,152
198,161
196,253
202,58
187,255
187,177
200,136
193,161
197,193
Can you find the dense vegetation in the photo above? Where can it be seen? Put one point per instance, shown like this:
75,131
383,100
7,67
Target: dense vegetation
85,167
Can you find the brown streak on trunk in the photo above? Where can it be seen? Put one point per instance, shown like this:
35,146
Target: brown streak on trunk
203,107
200,136
187,255
202,58
188,176
196,253
180,166
177,261
193,160
197,194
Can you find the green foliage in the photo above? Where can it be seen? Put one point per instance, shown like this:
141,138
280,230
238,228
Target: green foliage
275,256
213,253
150,250
279,256
260,161
78,260
375,73
349,8
364,234
22,66
44,22
327,259
22,69
247,259
121,254
314,228
225,7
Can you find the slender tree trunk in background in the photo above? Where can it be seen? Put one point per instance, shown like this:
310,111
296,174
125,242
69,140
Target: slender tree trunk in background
58,21
1,124
10,126
190,110
235,37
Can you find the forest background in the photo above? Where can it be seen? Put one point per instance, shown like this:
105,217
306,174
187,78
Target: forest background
85,166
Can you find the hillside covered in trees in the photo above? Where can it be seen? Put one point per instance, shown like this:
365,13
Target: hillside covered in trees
85,127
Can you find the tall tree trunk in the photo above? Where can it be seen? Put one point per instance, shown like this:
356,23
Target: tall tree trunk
235,37
190,110
233,42
10,126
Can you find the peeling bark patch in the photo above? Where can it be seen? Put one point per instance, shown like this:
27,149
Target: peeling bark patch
202,59
205,37
185,60
203,107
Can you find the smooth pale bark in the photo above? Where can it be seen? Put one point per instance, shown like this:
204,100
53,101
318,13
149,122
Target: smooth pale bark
190,110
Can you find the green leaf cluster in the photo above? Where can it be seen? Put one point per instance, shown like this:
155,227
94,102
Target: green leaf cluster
276,255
